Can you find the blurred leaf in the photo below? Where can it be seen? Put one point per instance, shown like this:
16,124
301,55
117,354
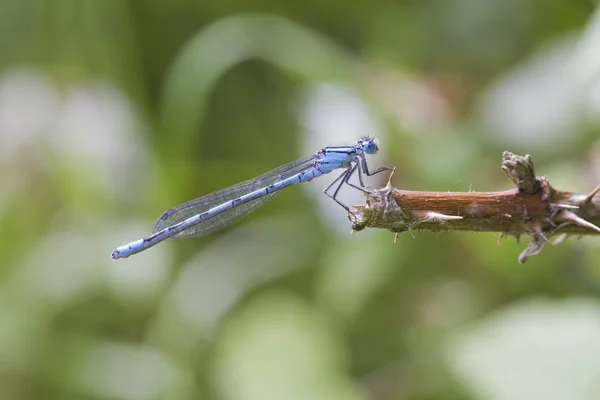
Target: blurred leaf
300,355
533,349
296,49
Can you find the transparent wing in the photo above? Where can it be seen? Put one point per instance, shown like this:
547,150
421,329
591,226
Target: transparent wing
186,210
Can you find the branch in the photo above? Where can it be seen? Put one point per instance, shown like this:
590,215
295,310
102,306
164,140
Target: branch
533,209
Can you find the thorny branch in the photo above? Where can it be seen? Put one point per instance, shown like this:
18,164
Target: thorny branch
533,209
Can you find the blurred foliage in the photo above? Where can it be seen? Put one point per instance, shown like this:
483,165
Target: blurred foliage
112,111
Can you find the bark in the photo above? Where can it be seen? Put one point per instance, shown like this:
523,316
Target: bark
532,209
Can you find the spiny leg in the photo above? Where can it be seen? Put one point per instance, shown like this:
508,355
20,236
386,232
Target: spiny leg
344,176
365,168
347,179
334,182
360,177
360,180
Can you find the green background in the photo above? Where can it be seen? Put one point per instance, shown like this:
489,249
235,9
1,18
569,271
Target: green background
112,111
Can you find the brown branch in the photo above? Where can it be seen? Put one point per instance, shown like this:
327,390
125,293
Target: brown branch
533,209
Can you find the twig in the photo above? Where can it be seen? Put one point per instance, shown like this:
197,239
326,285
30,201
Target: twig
533,209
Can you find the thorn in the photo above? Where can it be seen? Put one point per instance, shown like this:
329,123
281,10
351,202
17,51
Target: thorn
577,220
396,237
433,216
561,238
566,206
559,227
540,233
500,238
411,231
589,197
389,182
544,237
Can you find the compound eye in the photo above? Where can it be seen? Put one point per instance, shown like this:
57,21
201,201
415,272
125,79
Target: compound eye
371,147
